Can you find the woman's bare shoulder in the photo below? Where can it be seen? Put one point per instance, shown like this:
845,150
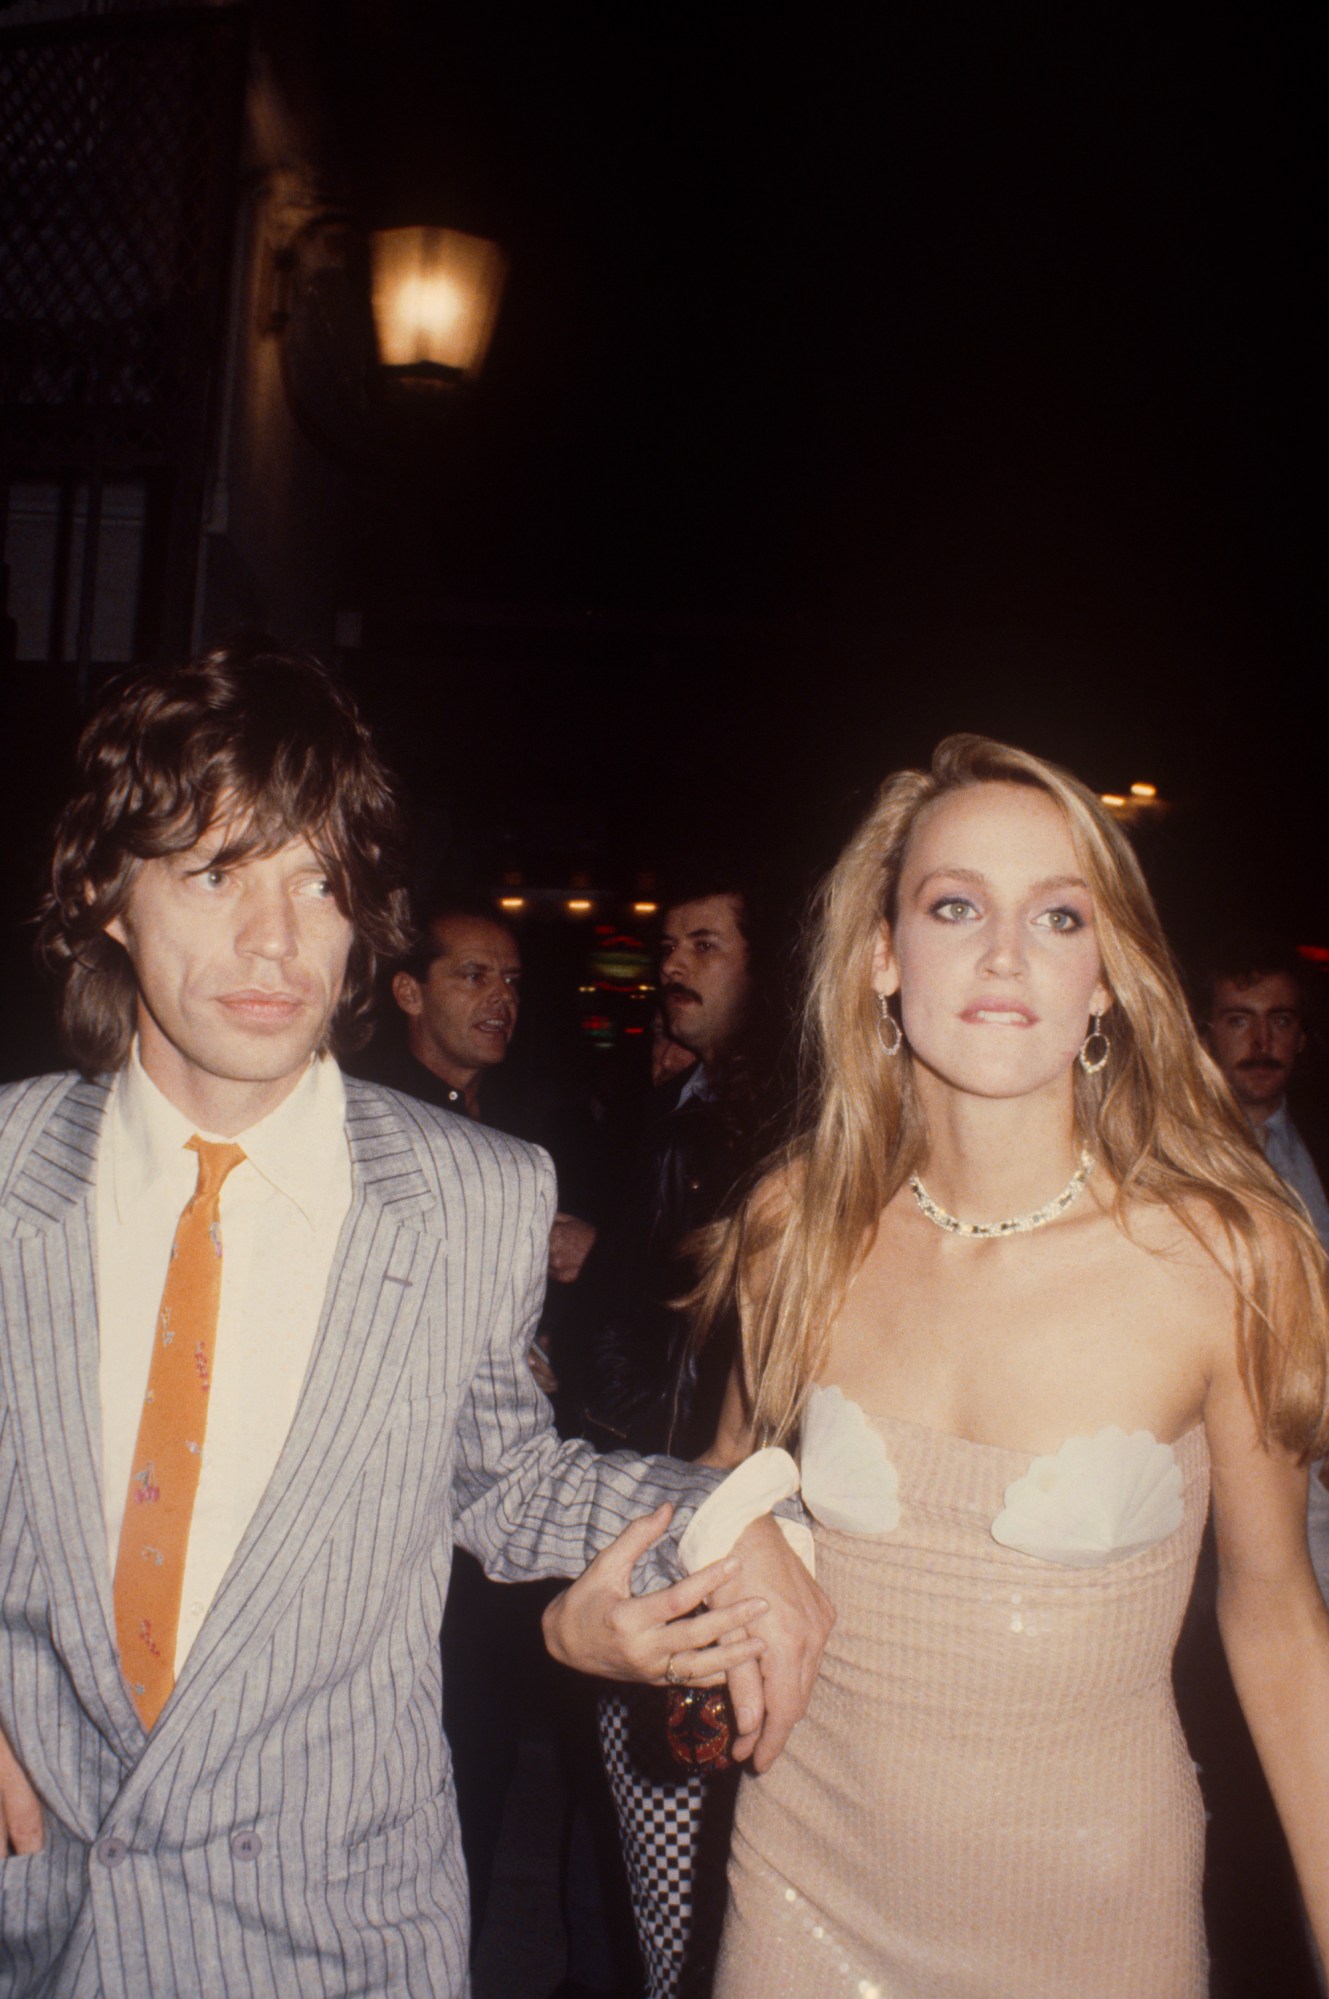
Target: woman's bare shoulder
1209,1257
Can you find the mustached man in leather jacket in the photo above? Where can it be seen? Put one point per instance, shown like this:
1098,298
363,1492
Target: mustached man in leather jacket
643,1391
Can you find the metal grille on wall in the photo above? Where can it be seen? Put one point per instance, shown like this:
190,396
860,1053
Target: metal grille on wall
117,159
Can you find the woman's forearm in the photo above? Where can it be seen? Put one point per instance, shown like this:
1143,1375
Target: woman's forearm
1277,1646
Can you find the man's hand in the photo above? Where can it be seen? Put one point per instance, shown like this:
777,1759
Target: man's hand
770,1694
569,1246
20,1808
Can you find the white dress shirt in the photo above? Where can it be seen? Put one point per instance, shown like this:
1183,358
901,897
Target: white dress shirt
281,1213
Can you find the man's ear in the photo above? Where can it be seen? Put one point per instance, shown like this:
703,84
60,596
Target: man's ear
885,971
406,992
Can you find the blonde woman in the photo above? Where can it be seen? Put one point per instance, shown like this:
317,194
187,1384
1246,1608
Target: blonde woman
1020,1291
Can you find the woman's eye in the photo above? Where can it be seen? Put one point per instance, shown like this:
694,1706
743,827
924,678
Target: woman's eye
953,909
1063,919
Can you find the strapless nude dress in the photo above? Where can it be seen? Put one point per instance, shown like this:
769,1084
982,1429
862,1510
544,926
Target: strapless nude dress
990,1796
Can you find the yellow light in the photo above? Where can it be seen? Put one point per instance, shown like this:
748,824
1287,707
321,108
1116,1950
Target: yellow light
1112,799
512,902
436,297
1144,791
577,907
644,908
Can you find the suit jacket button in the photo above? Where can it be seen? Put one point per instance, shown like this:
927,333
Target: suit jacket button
246,1845
111,1851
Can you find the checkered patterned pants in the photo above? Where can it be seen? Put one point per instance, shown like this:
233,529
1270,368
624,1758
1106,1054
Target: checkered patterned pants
674,1829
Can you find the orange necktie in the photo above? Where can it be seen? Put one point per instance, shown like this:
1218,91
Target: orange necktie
168,1455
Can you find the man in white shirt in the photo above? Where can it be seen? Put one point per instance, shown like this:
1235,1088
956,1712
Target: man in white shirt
279,1414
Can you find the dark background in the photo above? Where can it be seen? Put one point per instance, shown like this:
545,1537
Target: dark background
854,384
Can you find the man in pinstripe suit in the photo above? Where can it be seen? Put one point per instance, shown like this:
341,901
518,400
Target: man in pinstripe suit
221,890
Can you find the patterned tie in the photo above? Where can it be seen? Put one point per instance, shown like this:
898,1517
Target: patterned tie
168,1455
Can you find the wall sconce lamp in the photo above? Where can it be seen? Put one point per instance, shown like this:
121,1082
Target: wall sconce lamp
436,295
372,325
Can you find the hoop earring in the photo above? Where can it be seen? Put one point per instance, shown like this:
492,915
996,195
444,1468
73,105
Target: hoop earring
885,1018
1095,1048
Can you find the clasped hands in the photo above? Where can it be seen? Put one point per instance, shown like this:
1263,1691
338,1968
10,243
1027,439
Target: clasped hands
763,1629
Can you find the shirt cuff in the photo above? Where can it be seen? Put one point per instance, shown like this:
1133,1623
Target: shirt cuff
758,1485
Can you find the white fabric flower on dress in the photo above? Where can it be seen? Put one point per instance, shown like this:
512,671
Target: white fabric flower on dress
1097,1499
849,1481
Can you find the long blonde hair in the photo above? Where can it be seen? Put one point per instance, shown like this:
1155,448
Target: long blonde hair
1159,1116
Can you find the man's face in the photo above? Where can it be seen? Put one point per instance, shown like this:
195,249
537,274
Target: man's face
463,1011
1255,1035
238,969
705,983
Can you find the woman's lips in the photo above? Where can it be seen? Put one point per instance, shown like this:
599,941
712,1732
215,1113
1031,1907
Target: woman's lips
1000,1013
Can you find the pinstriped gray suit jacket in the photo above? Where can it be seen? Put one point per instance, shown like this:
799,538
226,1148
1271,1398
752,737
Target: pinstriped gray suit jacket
287,1831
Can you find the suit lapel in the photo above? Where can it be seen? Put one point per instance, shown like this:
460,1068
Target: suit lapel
376,1292
47,1269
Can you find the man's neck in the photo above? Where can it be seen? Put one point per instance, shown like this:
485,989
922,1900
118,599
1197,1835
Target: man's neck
466,1082
218,1104
1259,1114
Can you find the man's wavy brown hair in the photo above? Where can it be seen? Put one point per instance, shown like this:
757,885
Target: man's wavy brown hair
260,741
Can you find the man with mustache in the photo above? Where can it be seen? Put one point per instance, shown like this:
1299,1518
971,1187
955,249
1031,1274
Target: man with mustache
1255,1028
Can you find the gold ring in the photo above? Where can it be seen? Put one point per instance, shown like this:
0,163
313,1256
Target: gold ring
672,1678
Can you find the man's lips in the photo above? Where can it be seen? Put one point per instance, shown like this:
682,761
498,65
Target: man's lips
999,1013
263,1011
258,1001
681,993
1259,1065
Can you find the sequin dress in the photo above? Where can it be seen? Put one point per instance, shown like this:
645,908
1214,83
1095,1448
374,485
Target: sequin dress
990,1796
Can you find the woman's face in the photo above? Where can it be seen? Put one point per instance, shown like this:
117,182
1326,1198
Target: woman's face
994,952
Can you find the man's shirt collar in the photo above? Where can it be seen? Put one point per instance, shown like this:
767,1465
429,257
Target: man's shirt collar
298,1148
696,1088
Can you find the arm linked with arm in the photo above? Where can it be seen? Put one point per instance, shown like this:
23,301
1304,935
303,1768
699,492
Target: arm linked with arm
527,1504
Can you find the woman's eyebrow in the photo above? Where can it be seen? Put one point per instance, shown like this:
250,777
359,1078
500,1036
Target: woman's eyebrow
1048,885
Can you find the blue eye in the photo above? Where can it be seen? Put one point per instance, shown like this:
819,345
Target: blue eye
1064,920
952,909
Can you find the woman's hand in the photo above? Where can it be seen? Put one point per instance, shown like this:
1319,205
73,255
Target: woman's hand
598,1626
